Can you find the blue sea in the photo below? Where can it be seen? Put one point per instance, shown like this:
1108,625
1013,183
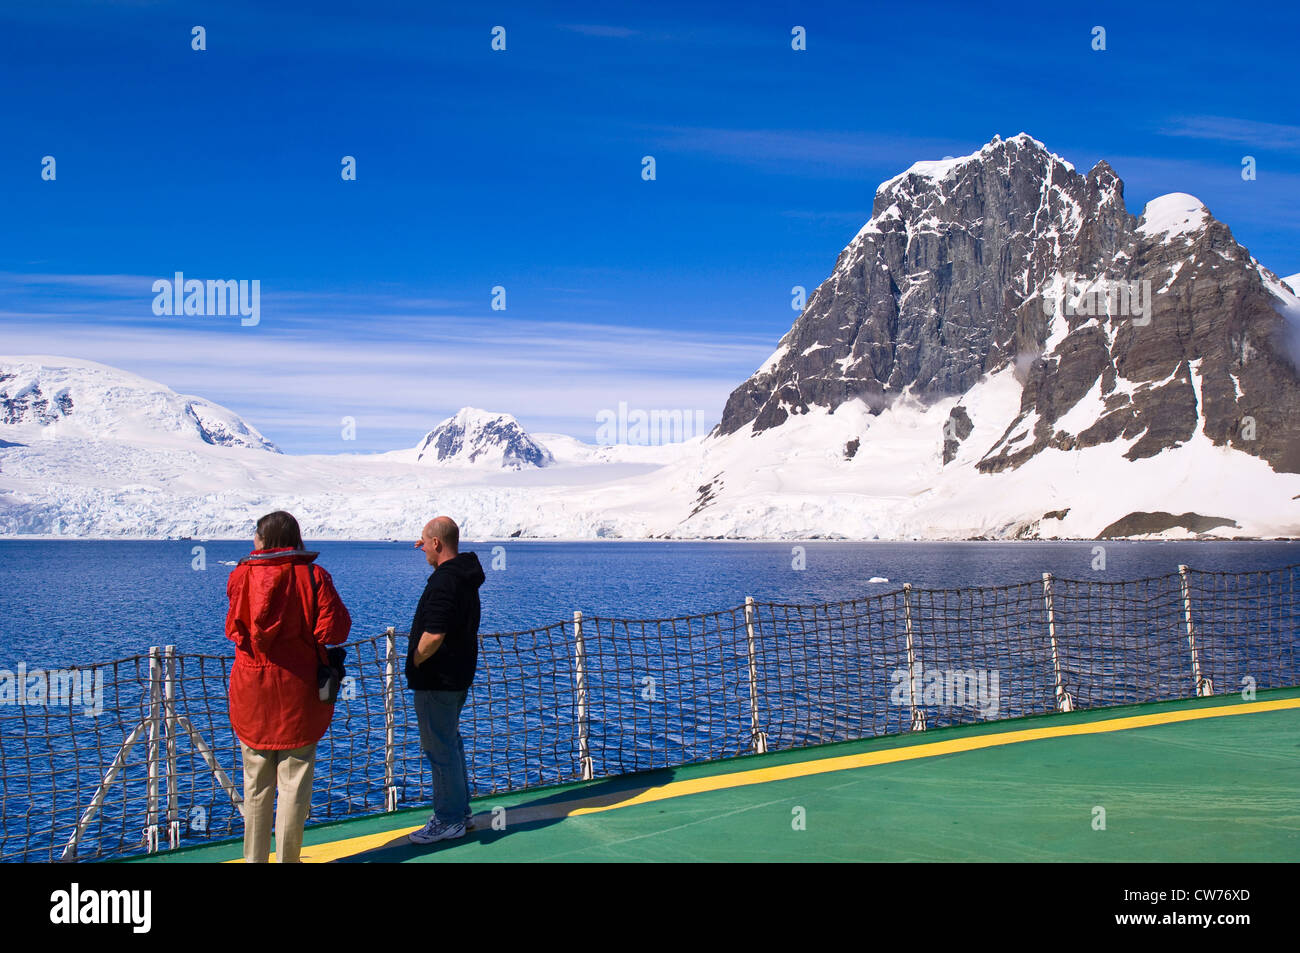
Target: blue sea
66,602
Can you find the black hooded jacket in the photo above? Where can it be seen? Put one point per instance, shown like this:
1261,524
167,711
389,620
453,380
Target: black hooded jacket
449,605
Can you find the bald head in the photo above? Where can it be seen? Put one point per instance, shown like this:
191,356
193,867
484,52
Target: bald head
440,540
445,530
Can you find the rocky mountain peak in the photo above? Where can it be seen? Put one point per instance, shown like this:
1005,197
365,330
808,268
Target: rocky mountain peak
474,437
1010,257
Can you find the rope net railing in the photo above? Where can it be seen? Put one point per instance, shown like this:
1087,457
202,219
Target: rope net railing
138,755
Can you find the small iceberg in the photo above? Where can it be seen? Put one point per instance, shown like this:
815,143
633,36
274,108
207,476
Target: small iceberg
877,579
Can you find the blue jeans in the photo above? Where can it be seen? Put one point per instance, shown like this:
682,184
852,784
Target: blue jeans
438,715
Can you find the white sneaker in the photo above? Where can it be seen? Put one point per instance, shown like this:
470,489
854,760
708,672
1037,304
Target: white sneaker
433,832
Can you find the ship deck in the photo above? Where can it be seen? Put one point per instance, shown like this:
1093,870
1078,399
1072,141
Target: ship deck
1212,779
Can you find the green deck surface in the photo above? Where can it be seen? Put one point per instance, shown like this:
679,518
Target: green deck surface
1215,789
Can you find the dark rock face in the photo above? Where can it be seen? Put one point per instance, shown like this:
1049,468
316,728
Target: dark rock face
31,406
220,432
706,494
958,427
1138,524
970,265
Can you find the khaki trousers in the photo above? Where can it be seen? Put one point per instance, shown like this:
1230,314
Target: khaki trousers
264,771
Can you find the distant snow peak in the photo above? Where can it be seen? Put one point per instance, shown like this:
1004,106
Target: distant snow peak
57,397
479,438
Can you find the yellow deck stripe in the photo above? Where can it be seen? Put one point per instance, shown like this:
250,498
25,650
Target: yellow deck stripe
321,853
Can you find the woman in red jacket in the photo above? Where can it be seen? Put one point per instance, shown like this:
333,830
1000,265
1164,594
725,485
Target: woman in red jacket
283,611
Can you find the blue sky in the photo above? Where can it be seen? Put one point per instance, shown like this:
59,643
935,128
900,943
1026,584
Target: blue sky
522,169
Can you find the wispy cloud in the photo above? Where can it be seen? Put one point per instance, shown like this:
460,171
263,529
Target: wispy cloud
118,286
794,150
1249,132
399,378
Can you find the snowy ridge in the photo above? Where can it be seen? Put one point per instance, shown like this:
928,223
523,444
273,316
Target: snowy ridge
792,482
52,397
940,169
569,451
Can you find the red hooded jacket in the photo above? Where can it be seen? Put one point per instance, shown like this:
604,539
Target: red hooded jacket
274,703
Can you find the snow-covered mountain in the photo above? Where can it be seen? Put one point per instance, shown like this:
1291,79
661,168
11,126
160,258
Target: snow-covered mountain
46,397
477,438
1002,351
960,271
1020,302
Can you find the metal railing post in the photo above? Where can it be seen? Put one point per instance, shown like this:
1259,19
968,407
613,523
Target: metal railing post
1204,686
758,737
154,721
580,662
390,720
169,712
101,792
918,716
210,759
1064,700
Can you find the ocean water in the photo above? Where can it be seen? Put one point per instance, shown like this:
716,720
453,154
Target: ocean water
66,602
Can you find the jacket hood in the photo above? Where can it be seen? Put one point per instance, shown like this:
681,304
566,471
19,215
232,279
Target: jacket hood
467,566
271,591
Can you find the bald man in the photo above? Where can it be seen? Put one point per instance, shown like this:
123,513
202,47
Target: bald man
441,658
